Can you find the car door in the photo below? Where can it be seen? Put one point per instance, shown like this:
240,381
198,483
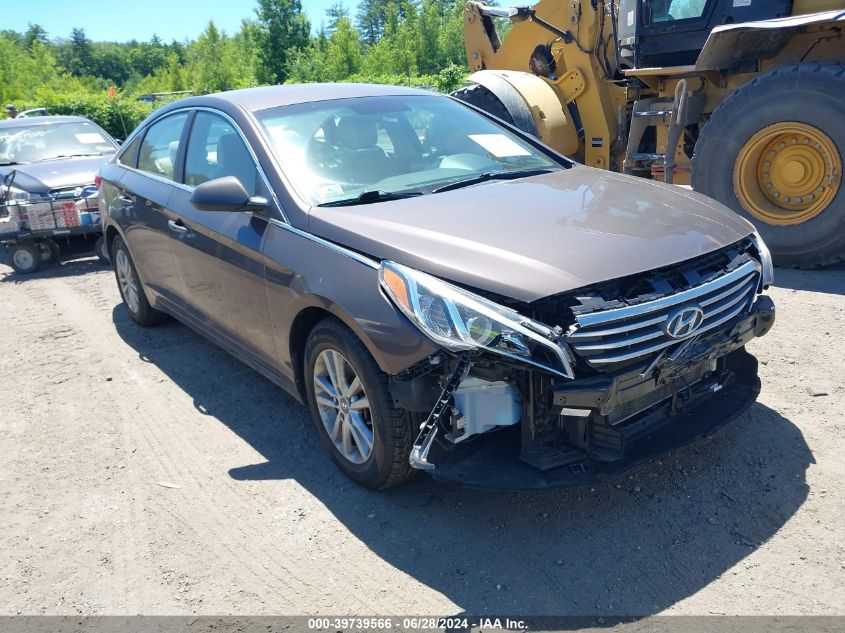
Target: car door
144,196
218,253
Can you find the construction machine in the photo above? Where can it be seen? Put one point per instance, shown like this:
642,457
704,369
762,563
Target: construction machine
742,99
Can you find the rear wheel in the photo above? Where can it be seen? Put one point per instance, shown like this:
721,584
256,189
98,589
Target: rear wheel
365,434
25,257
130,287
49,251
773,151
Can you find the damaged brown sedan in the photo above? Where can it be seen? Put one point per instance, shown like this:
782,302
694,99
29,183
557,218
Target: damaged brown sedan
444,293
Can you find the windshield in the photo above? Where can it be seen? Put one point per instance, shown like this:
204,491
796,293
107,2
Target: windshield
39,142
337,150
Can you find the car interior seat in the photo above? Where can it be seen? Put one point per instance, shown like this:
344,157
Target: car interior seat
356,137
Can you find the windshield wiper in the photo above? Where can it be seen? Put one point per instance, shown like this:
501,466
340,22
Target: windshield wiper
368,197
492,175
43,160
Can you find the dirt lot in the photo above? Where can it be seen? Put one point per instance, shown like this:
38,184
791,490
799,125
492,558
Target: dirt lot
253,518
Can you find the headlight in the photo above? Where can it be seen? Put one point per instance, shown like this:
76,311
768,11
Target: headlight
768,273
460,320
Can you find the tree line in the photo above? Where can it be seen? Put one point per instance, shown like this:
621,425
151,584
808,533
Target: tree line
415,42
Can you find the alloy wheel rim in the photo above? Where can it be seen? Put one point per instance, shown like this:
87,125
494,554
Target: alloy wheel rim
787,173
23,259
128,283
344,406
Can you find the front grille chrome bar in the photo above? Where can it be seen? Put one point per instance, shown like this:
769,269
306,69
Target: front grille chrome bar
619,335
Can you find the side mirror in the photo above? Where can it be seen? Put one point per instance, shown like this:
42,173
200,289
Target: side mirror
225,194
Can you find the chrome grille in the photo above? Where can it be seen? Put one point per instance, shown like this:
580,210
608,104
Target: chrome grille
624,334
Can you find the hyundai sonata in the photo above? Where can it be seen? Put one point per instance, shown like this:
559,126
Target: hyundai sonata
442,291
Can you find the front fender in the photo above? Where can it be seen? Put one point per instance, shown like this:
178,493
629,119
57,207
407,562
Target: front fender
309,276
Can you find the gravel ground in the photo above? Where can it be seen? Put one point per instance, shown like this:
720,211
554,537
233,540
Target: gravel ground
145,471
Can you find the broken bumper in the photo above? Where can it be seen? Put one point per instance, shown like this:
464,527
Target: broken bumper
698,403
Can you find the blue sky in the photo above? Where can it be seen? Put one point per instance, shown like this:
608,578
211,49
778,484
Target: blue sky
113,20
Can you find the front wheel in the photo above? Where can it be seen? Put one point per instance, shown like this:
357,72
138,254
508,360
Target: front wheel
25,258
101,249
365,434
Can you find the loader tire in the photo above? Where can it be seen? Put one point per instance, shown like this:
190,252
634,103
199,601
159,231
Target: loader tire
773,152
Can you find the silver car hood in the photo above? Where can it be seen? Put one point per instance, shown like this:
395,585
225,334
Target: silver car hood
539,236
55,174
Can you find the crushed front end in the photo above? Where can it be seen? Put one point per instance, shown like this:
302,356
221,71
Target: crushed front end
647,363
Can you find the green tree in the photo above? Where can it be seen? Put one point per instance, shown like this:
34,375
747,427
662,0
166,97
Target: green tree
34,33
343,55
111,61
284,29
77,55
245,53
429,56
211,67
335,13
147,57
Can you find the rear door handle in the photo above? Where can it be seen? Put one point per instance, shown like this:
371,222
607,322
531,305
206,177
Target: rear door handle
176,225
126,200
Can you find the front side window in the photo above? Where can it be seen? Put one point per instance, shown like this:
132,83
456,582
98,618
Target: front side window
336,150
215,149
160,146
52,141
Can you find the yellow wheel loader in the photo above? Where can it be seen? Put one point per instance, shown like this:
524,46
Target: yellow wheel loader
742,99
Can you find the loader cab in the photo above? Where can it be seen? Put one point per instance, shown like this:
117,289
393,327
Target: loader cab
661,33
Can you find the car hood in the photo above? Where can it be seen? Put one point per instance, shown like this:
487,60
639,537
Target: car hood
53,174
539,236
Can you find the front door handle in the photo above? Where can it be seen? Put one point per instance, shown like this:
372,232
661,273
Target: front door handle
176,225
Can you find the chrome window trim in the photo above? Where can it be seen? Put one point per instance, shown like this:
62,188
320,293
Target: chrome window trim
363,259
162,179
237,128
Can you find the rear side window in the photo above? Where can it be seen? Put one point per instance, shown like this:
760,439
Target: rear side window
215,149
129,154
161,146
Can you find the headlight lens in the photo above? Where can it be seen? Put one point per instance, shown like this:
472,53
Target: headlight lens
460,320
768,272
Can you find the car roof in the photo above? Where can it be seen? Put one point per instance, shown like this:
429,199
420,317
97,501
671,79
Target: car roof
254,99
41,120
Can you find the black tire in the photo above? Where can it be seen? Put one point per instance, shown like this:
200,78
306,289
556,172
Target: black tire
101,249
25,257
392,428
49,251
483,99
143,314
810,93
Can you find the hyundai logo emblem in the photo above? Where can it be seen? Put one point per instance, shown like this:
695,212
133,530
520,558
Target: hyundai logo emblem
684,322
